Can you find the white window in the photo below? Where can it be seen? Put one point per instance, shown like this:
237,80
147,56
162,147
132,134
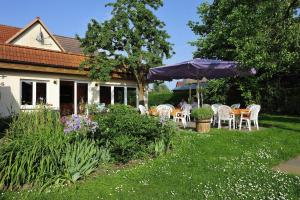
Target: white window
118,94
33,92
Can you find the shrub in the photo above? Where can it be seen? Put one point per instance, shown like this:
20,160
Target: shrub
203,113
128,133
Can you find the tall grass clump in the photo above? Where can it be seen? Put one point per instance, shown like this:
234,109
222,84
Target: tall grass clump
38,153
32,151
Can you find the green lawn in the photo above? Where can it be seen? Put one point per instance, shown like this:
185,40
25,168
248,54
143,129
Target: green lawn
221,165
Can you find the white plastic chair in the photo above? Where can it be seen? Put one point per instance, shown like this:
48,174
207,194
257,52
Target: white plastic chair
180,117
215,107
167,106
249,106
251,116
225,114
235,106
143,110
164,113
186,111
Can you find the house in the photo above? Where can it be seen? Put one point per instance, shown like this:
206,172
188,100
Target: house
37,66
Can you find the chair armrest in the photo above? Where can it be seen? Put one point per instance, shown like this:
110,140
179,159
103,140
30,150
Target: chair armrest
245,113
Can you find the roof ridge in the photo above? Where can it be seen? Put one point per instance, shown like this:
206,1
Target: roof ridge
10,26
53,34
47,50
65,36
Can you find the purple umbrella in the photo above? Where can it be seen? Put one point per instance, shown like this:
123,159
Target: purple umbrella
198,69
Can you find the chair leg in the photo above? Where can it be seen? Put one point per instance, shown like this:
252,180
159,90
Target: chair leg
219,124
233,124
257,127
249,124
241,123
229,124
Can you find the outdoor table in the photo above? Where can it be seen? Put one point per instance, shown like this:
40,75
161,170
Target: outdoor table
153,111
239,111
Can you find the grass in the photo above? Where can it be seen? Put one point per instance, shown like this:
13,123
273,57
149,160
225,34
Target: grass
220,165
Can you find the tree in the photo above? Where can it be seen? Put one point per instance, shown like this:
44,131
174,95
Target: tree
160,87
133,40
260,34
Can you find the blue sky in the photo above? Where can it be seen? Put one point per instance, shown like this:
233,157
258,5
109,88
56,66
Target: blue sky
70,17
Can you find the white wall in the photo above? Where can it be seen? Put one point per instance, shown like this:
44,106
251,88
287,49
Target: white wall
28,38
10,88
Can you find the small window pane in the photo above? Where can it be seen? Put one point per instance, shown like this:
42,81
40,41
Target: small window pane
41,93
119,95
82,97
105,95
131,96
26,98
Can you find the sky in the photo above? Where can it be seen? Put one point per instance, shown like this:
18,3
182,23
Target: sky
70,17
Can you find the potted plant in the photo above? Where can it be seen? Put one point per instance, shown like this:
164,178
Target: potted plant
203,119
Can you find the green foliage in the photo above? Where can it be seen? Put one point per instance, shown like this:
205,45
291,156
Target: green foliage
133,39
42,121
202,113
260,34
128,134
81,158
155,98
221,165
36,152
160,88
32,157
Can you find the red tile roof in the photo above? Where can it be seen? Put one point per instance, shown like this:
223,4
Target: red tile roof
7,32
70,45
29,55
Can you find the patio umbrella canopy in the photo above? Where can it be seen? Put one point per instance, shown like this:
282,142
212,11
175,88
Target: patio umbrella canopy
198,69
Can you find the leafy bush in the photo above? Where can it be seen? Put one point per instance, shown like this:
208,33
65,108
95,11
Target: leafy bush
129,134
157,98
202,113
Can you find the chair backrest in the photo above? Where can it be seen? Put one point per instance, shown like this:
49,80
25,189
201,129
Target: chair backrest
170,105
224,112
254,112
215,107
167,106
235,106
186,109
249,106
143,110
164,113
206,105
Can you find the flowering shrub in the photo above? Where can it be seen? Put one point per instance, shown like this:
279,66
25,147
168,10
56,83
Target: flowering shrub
79,124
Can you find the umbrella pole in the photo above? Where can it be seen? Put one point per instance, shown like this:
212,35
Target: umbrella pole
198,95
190,94
201,97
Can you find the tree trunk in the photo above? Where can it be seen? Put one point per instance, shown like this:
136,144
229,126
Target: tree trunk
143,96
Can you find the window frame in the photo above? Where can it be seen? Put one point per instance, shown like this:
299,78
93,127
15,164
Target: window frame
34,82
112,92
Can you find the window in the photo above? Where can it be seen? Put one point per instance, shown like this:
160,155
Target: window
33,93
131,96
119,95
26,98
41,92
82,97
105,95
